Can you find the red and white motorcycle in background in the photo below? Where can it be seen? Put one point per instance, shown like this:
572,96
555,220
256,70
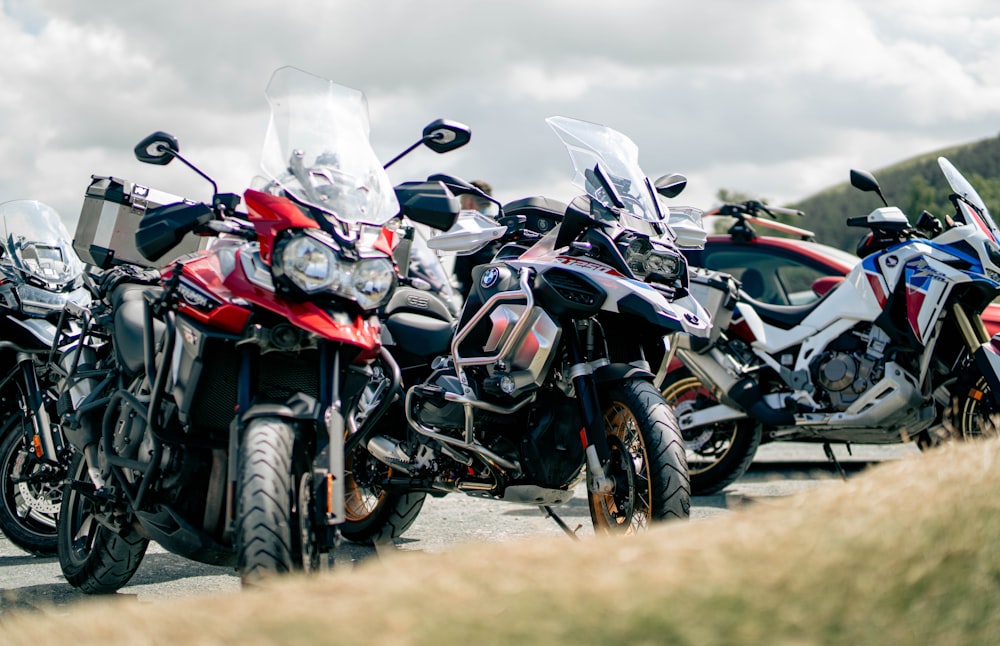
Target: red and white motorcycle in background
897,351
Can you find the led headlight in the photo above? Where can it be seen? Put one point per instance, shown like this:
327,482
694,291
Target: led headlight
649,262
372,281
316,267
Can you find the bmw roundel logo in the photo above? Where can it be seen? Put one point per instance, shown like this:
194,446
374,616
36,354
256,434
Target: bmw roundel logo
489,277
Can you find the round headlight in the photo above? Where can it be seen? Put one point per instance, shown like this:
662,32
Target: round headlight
311,265
372,281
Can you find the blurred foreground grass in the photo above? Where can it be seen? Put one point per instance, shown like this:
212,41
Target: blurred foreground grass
906,553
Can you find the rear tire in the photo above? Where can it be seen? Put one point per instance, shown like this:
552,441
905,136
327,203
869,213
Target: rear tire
648,463
94,558
274,533
717,455
28,510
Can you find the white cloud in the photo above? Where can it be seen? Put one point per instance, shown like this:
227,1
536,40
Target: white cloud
778,98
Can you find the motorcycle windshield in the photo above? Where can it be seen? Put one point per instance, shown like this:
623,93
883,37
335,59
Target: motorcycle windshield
317,149
597,151
962,187
35,242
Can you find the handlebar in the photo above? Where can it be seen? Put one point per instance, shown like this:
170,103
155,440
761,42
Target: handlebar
752,208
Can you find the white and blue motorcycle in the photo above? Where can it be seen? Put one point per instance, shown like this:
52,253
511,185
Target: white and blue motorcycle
896,352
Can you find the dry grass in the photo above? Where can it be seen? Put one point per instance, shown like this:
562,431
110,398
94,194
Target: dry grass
908,552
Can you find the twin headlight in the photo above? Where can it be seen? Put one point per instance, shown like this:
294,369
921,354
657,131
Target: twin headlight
315,266
651,263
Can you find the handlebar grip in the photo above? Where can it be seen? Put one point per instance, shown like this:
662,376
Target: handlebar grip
783,211
859,221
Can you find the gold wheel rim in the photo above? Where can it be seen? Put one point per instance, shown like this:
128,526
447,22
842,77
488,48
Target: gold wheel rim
359,502
672,394
620,421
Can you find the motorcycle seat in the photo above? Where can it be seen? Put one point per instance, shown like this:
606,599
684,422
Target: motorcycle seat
783,316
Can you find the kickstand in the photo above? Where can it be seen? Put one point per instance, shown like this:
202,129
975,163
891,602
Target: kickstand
829,454
559,521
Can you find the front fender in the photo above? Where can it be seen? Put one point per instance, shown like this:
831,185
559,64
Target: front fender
297,407
620,372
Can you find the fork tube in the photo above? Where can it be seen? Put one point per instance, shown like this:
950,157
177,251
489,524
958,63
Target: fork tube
44,442
594,440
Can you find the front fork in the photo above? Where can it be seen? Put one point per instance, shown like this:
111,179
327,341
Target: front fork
45,444
593,436
983,351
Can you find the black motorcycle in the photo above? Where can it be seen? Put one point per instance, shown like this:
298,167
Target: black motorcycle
40,274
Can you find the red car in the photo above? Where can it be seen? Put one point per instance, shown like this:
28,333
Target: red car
779,270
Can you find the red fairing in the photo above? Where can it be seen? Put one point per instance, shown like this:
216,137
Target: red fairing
387,241
741,330
357,330
271,214
205,273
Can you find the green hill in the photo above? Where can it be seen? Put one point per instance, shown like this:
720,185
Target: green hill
913,185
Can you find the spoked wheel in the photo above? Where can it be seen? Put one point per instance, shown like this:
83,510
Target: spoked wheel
274,530
98,553
975,414
647,465
373,512
30,493
717,454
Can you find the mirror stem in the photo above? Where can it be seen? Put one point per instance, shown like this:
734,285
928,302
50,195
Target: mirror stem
402,154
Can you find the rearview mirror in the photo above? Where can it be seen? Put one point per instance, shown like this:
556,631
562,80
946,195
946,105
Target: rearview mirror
865,181
443,135
158,148
670,185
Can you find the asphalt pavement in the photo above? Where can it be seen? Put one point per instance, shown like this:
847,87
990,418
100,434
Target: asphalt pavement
28,582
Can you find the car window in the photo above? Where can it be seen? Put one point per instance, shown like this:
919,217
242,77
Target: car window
769,275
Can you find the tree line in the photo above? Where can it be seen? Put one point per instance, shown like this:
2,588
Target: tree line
914,185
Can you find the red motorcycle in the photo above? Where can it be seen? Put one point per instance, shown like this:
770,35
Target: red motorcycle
214,417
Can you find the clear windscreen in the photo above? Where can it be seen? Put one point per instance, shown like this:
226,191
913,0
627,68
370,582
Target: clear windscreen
317,149
961,187
606,165
36,242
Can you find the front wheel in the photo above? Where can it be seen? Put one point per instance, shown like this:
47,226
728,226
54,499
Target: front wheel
30,493
98,551
717,454
647,464
975,414
274,530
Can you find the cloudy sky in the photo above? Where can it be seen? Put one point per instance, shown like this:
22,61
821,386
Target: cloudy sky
776,98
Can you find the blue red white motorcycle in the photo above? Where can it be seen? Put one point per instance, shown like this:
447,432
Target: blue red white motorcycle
896,352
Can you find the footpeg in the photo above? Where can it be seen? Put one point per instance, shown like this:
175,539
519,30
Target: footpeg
388,451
